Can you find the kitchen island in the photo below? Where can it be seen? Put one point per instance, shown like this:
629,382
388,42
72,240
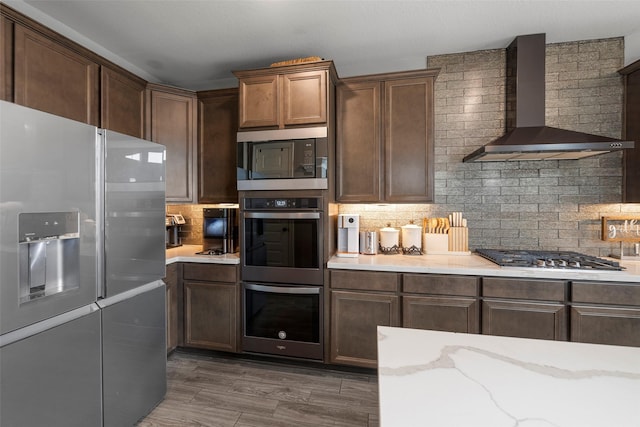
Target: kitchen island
454,379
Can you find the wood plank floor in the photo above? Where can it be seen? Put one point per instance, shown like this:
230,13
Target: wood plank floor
214,390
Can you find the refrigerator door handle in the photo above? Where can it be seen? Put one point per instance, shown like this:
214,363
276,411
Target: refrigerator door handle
103,303
100,214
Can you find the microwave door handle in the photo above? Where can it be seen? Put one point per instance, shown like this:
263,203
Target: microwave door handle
282,215
282,289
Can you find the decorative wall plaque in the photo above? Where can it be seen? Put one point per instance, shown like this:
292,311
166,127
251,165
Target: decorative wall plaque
621,228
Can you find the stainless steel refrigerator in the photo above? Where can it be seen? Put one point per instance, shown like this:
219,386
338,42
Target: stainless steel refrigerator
82,304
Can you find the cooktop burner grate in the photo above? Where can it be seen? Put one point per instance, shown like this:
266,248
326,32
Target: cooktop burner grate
548,259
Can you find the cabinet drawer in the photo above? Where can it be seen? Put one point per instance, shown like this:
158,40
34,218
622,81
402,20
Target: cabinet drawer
605,325
450,314
547,321
543,290
365,280
210,272
606,293
440,284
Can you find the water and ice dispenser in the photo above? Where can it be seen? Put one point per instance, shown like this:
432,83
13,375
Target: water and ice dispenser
49,245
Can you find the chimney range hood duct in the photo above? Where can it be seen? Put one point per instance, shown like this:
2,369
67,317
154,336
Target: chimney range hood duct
527,137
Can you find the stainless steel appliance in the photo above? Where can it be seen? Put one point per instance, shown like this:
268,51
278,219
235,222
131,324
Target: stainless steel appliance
281,262
282,239
220,230
283,320
173,222
82,306
283,159
368,242
527,137
548,259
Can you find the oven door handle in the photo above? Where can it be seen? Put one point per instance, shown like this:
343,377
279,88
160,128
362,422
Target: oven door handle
282,289
282,215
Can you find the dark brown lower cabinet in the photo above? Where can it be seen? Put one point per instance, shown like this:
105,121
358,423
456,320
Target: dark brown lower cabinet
605,325
606,313
451,314
524,320
171,280
355,317
211,306
445,302
525,308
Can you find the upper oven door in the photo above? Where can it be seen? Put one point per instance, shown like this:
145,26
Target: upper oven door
282,247
283,159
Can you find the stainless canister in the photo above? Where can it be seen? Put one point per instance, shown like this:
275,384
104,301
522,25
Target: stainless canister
368,242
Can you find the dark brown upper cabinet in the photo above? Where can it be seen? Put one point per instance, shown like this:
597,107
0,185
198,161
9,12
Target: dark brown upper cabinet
51,77
385,138
631,172
217,128
290,95
172,123
122,102
6,59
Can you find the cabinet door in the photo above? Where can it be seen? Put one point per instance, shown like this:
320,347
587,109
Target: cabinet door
525,320
122,100
52,78
359,143
304,98
259,101
173,125
6,59
631,157
451,314
217,148
354,320
408,147
605,325
211,315
171,281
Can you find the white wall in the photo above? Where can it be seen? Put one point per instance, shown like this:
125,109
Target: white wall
631,48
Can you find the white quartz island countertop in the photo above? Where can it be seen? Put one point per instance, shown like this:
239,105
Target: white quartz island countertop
431,378
476,265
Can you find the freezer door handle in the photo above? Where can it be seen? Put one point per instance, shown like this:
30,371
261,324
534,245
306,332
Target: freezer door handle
45,325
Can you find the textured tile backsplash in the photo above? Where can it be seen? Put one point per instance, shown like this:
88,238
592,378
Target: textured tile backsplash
547,204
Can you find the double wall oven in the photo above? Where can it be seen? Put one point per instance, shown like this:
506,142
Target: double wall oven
282,275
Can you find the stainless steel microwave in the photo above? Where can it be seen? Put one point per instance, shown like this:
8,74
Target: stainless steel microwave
283,159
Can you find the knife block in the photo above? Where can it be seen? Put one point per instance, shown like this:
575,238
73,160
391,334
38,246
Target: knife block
459,239
436,243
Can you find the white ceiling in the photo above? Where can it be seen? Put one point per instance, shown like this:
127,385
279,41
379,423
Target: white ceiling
196,44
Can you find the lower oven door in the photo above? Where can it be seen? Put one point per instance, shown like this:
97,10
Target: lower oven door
283,320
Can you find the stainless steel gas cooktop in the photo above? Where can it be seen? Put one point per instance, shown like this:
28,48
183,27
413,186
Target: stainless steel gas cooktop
548,259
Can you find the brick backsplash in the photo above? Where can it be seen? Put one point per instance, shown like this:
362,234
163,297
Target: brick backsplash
550,204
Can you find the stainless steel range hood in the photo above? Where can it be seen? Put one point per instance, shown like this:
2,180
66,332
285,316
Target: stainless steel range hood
527,137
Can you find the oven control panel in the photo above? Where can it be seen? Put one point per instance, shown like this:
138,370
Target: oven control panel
274,203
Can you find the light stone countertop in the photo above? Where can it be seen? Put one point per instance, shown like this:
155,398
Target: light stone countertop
432,378
187,253
475,265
